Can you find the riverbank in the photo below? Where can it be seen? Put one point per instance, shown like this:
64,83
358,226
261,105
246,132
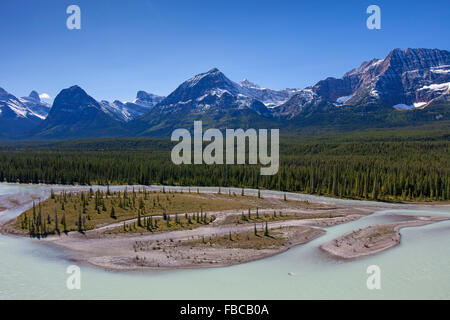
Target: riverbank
373,239
191,248
291,221
123,246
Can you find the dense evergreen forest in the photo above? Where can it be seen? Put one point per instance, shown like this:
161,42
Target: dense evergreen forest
387,166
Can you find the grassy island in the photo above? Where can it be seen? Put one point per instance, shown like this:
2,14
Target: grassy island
139,210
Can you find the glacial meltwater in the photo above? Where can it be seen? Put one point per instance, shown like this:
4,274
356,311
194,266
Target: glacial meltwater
418,268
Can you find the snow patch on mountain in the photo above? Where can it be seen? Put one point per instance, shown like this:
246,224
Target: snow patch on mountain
416,105
342,100
270,98
437,87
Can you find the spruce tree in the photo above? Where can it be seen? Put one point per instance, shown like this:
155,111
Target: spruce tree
64,223
80,222
56,222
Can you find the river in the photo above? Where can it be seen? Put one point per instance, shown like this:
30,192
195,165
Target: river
419,268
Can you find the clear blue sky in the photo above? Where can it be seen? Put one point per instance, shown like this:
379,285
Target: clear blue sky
154,45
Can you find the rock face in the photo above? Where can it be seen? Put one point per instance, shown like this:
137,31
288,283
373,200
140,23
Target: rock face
147,100
409,78
124,111
443,99
270,98
305,99
75,114
35,105
397,79
34,96
127,111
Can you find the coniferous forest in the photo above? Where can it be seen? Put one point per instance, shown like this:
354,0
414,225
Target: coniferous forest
400,167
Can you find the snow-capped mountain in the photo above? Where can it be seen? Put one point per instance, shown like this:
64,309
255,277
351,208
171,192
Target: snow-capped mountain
127,111
210,96
147,100
30,107
210,89
34,103
208,92
19,115
300,101
416,79
271,98
405,79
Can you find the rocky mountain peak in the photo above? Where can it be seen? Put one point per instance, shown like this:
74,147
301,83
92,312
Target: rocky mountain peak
73,99
248,84
3,91
34,96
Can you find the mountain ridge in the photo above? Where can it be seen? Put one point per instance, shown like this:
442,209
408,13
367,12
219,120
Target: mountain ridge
378,93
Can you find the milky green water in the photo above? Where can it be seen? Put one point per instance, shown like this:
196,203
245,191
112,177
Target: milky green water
418,268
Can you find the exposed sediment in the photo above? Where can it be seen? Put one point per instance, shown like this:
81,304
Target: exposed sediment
373,239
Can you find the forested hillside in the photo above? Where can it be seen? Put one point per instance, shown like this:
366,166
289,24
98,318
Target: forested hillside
375,165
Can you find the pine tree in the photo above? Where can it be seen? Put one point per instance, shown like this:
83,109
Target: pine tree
139,218
335,188
375,188
64,223
80,222
56,222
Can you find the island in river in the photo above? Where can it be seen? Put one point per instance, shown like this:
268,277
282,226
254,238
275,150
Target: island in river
142,228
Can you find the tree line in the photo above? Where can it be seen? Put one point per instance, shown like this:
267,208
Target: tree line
381,170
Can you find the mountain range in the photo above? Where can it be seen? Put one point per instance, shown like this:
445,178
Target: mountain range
406,86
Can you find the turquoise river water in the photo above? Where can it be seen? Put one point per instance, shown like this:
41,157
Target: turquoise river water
419,268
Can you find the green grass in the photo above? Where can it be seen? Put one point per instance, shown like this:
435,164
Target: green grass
168,223
95,208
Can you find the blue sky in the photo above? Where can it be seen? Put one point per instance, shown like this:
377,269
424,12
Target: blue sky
126,46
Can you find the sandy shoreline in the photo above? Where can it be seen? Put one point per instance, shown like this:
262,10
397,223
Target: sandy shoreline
167,250
373,239
183,249
171,249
